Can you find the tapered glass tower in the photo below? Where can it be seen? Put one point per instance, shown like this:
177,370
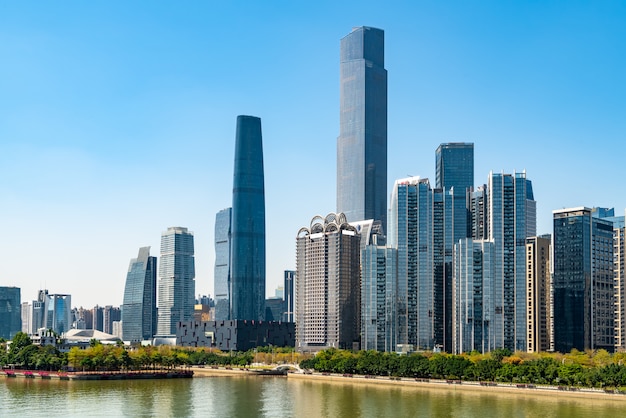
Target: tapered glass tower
139,313
248,223
362,141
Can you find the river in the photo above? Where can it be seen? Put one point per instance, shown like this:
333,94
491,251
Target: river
252,396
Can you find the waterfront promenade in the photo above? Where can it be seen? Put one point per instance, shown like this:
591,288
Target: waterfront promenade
438,384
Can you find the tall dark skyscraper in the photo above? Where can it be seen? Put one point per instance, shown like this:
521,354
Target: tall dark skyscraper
139,312
362,142
248,223
10,311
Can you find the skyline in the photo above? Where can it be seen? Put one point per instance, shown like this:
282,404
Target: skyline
107,108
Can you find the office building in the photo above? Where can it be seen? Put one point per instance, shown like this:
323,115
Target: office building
478,221
327,288
362,141
288,291
511,211
454,170
583,280
221,276
10,312
58,313
247,270
139,311
274,309
538,294
177,272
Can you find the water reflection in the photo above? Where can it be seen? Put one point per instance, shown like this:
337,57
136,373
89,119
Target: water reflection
277,397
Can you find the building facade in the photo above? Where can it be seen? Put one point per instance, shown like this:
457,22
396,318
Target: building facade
538,295
139,311
474,287
58,314
362,141
411,233
327,288
583,280
620,285
10,312
177,272
511,212
221,277
379,325
454,170
247,270
289,294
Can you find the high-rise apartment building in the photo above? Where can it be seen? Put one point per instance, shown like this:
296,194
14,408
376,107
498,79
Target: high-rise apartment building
511,211
139,311
221,277
177,272
619,232
10,312
362,141
538,294
327,288
378,298
411,233
111,314
583,280
474,291
97,318
478,221
247,270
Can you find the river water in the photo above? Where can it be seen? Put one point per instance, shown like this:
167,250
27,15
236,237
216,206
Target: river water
254,396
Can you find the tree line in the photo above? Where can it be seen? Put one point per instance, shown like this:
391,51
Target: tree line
597,369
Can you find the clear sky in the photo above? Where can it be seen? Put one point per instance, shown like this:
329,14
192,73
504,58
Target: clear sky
117,119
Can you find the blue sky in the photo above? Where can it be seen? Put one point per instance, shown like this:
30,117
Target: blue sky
117,120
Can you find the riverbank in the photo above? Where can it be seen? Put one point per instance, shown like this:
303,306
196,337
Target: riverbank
443,385
28,374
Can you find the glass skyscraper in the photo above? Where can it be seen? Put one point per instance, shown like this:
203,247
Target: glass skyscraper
583,281
177,272
362,141
247,273
221,277
10,312
411,233
454,169
58,315
139,311
511,211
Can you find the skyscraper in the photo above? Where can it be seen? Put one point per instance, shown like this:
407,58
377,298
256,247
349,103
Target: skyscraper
139,311
176,280
583,281
221,277
538,300
327,284
10,312
411,233
247,280
362,141
454,167
619,254
58,314
511,210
